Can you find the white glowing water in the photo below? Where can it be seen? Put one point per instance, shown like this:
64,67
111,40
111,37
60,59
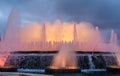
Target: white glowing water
91,64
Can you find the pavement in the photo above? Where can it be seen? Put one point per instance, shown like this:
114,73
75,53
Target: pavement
20,74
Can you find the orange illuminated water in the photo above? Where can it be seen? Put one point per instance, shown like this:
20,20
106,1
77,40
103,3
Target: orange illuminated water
48,36
70,67
65,59
3,58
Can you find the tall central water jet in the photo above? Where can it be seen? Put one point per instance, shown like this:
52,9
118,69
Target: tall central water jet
64,61
66,58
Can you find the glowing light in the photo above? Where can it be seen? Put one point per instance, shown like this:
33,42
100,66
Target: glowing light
65,59
30,33
48,36
3,59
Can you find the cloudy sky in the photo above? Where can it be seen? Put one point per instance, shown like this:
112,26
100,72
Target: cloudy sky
103,13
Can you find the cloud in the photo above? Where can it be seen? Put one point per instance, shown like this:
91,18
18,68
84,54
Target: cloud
95,11
103,13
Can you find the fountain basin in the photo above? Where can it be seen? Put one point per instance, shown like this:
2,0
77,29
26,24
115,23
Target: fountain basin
113,69
62,70
8,69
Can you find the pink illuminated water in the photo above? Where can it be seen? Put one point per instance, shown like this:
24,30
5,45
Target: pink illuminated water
65,59
51,36
48,36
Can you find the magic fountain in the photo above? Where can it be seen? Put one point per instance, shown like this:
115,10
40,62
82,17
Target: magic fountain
46,38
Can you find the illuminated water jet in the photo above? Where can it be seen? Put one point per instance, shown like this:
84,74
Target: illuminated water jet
50,37
66,58
64,62
3,59
116,49
3,66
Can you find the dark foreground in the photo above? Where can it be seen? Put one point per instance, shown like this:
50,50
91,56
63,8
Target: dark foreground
90,74
63,74
97,72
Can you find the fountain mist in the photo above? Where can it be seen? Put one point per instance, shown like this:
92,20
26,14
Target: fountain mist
48,36
65,59
51,36
3,58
